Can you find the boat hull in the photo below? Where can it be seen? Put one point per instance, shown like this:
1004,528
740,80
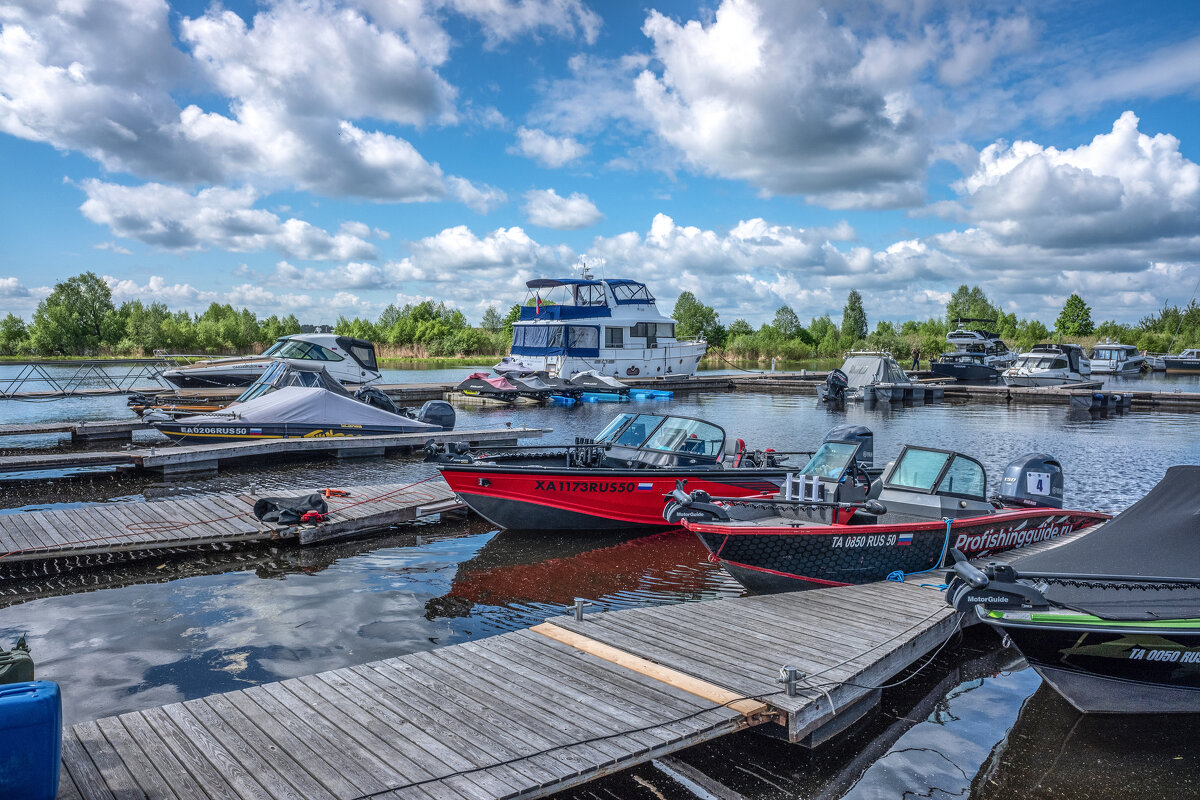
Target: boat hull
209,433
966,373
543,498
769,559
1186,365
1034,381
1104,669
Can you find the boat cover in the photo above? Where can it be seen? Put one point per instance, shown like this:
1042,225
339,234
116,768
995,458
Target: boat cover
499,382
304,405
866,369
1158,536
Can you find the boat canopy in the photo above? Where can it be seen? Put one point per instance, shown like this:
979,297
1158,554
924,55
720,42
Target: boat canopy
863,369
1156,537
582,341
305,405
282,374
584,297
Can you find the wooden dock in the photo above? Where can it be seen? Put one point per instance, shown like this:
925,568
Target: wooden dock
80,431
172,459
109,529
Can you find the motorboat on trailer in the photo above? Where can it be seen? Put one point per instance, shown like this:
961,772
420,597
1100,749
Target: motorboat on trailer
1050,365
866,376
979,354
346,359
831,525
302,401
1110,620
1114,358
615,481
1187,361
607,325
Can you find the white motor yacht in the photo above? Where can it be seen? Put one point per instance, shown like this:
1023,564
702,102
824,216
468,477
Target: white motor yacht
610,325
1050,365
1116,359
346,360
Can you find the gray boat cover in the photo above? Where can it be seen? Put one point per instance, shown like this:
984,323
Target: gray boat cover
1158,536
303,405
863,370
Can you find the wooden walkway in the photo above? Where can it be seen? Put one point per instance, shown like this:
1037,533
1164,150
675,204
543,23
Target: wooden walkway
109,528
169,458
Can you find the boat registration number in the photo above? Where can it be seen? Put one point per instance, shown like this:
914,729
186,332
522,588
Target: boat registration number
878,540
586,486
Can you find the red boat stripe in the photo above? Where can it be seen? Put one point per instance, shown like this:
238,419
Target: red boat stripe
786,574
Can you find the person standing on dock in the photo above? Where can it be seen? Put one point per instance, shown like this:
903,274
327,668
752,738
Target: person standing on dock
916,354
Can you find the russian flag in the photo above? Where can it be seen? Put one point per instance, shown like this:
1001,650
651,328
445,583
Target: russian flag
256,431
905,538
539,304
644,487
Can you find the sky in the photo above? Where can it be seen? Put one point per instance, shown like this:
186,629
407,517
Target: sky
330,158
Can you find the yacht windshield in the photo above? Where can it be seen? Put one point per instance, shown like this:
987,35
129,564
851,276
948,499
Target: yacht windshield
294,348
831,460
918,469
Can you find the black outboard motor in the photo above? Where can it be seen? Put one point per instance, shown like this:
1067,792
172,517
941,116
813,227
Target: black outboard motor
856,433
437,412
1032,480
836,383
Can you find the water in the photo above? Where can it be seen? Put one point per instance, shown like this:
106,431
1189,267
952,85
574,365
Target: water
139,635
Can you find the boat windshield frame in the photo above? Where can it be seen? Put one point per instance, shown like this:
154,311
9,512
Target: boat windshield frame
831,461
942,481
657,432
306,350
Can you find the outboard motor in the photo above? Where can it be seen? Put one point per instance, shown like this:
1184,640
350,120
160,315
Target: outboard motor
836,383
1032,480
865,455
437,412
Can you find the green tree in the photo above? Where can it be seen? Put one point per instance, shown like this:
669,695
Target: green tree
739,327
696,319
71,318
511,318
14,336
492,321
786,322
969,302
854,319
1075,319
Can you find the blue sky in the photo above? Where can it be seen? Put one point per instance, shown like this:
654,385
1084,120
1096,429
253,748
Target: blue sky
328,159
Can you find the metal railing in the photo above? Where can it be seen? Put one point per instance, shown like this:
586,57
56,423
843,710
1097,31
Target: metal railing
74,377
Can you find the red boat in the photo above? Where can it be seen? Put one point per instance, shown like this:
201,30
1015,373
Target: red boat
615,482
831,527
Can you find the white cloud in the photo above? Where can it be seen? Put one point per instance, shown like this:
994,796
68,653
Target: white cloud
11,287
504,20
546,208
173,219
113,247
550,151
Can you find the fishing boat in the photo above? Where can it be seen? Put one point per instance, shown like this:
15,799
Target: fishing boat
979,355
615,481
1111,620
1114,358
1187,361
831,525
1050,365
346,359
609,325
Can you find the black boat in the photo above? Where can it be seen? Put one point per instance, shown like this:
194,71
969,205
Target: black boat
1112,619
979,355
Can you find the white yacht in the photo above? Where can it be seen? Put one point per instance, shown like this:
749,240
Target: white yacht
1116,359
610,325
1050,365
979,354
345,359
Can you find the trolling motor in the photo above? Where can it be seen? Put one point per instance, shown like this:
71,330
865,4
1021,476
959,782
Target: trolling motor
701,506
994,586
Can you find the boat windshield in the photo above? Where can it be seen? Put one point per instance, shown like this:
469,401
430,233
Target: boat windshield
681,435
611,428
918,469
952,473
831,460
636,433
294,348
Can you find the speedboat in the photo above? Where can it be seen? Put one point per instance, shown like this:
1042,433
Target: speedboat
1117,359
302,402
615,481
1111,620
1187,361
347,360
866,376
1050,365
831,525
609,325
979,355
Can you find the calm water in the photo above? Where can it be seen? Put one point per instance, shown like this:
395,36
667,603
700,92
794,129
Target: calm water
146,634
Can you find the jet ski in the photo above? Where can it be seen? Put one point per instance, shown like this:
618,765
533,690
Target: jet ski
592,381
480,384
518,372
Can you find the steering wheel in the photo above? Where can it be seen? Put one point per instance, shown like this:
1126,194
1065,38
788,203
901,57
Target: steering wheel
859,473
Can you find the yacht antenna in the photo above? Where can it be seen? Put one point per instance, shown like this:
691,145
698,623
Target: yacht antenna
586,264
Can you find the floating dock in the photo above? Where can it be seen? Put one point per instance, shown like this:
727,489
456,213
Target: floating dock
93,533
529,713
172,459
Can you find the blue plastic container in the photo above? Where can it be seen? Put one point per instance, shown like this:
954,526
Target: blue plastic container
31,730
595,397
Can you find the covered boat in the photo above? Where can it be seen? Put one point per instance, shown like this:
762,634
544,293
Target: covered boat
303,412
1112,619
615,481
347,360
866,376
833,526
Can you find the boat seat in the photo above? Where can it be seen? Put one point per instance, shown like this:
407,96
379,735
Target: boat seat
876,488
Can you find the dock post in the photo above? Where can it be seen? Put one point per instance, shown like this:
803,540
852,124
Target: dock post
579,604
790,677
